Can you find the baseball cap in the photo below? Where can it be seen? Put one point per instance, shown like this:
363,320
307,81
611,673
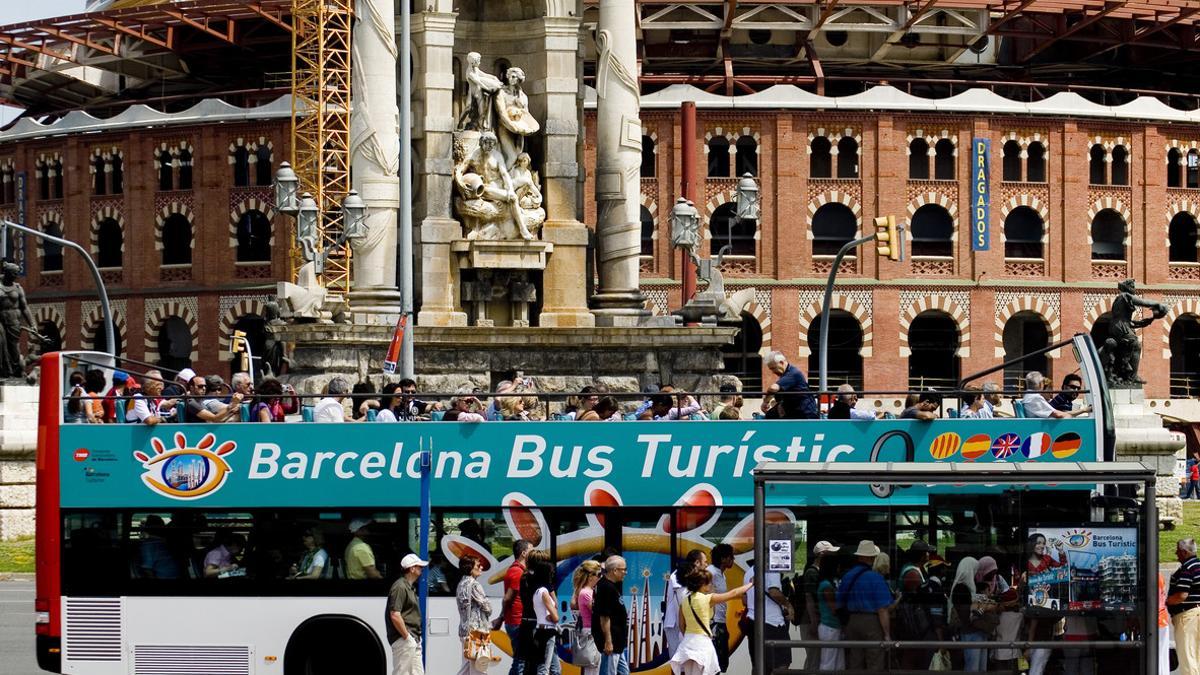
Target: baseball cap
120,376
823,547
359,523
412,560
132,383
186,375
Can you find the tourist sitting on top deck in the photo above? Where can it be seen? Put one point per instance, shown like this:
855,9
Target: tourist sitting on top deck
195,410
180,385
730,406
606,408
925,408
411,408
150,408
1065,400
1036,403
975,406
662,407
330,408
792,391
844,408
464,407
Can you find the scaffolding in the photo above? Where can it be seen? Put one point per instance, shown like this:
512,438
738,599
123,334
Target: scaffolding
321,34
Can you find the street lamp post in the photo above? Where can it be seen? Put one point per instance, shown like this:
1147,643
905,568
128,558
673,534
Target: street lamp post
308,216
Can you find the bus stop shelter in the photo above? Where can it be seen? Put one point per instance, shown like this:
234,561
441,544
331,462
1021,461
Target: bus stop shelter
771,476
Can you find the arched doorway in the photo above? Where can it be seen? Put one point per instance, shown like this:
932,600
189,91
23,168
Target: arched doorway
1108,236
833,225
1024,332
253,237
1185,357
177,240
933,342
1182,238
1099,331
1023,230
741,356
255,328
110,244
174,344
932,232
727,230
52,338
845,345
100,339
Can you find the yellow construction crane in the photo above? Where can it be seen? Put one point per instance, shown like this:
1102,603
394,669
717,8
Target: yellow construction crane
321,34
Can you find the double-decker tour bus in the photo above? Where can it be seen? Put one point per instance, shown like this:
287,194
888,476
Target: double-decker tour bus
127,513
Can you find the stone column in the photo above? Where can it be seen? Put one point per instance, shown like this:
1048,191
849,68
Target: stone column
1142,438
618,300
433,128
375,161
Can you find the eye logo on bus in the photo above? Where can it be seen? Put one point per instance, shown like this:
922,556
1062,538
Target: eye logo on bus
186,472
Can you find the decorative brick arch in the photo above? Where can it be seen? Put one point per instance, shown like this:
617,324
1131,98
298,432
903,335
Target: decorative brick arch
833,136
243,307
645,200
763,317
1028,303
1184,307
944,305
1103,306
157,317
1117,205
245,206
849,304
44,313
1177,207
95,319
935,199
1029,201
44,220
834,197
167,211
101,215
720,132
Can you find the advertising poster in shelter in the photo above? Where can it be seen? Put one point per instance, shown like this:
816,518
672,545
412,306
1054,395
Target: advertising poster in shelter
1081,568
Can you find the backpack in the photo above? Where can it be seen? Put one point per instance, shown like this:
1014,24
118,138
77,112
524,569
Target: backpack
793,589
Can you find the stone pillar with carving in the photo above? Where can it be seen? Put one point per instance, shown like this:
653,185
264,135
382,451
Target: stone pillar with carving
618,300
375,161
437,278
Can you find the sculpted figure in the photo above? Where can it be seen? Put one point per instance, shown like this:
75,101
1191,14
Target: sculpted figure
1122,350
14,315
529,213
486,199
512,110
481,87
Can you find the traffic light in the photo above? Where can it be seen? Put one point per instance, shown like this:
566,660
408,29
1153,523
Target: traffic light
889,238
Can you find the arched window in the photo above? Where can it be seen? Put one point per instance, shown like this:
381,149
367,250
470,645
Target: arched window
1012,161
718,157
918,159
742,356
747,156
1174,166
53,338
1108,236
1036,171
847,158
943,160
166,172
727,230
241,166
648,157
118,174
174,344
845,342
1023,230
1185,357
820,160
56,177
185,169
932,232
1120,165
100,340
1099,331
1097,172
1182,238
1024,332
255,328
264,173
177,240
99,180
109,241
933,342
52,254
647,231
833,225
253,237
43,179
1193,169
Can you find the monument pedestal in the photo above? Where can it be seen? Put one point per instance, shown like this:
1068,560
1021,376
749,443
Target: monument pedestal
18,447
1142,438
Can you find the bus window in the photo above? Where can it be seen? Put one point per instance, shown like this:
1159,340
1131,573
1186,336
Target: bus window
487,535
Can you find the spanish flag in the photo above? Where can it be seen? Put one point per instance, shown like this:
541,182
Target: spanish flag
976,446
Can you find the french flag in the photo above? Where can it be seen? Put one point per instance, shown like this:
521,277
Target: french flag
1036,445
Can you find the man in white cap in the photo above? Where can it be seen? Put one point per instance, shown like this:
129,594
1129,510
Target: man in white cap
865,593
179,387
810,618
403,618
360,557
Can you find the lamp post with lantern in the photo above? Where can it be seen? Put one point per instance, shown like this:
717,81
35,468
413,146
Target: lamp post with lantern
304,209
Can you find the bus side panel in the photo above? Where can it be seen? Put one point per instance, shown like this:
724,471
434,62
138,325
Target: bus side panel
48,568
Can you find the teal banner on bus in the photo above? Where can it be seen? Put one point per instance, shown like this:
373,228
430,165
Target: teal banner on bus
543,463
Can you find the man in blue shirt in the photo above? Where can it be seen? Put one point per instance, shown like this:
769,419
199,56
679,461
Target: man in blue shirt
795,401
865,593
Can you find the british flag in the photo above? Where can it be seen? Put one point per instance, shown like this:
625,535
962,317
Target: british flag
1005,446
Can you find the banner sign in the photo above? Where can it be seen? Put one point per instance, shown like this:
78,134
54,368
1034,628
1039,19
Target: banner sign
15,246
391,360
1081,568
551,463
981,194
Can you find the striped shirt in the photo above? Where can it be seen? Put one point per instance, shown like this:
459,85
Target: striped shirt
1186,579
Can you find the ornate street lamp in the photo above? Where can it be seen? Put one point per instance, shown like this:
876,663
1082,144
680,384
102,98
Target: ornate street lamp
354,217
685,227
747,198
287,184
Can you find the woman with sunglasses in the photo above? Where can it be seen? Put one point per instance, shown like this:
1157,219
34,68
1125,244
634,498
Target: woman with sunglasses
584,653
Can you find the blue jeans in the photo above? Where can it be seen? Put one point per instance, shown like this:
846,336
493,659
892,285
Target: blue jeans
975,660
550,665
614,665
518,664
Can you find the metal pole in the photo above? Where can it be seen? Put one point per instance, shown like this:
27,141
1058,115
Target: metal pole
824,348
760,593
687,166
407,366
1150,584
423,545
109,338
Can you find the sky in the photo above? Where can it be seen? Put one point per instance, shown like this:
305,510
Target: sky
16,11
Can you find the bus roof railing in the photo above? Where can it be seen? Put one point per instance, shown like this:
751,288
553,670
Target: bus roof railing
968,473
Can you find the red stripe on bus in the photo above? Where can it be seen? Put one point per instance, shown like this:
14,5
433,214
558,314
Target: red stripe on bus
49,520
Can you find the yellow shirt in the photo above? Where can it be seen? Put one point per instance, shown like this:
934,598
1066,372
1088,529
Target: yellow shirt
702,603
358,556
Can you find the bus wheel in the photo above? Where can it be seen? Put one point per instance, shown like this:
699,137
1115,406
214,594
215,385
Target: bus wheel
334,645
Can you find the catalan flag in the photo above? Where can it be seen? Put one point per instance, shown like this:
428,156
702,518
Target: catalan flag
1005,446
1036,445
976,447
1066,445
945,445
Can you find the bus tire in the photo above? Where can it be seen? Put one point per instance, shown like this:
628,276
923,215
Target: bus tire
334,644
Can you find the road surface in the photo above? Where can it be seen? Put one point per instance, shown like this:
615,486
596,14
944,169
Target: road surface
16,628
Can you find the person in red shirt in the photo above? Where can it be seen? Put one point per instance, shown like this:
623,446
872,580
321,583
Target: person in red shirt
1039,561
123,385
512,607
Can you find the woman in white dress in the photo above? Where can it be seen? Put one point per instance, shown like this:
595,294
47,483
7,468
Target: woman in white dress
696,654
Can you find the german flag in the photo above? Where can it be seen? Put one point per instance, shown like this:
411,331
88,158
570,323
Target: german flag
976,446
945,445
1066,445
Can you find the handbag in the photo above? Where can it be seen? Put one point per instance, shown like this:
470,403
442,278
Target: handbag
940,660
583,647
478,647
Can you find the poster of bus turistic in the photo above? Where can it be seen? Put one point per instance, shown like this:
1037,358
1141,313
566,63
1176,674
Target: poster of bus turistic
1078,568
